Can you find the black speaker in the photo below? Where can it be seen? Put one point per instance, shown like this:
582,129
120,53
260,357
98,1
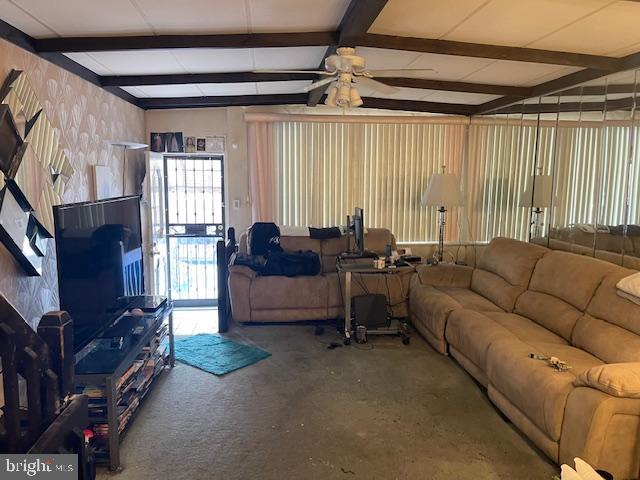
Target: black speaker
370,310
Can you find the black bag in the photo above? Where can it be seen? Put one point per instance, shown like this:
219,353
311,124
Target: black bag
292,264
263,237
254,263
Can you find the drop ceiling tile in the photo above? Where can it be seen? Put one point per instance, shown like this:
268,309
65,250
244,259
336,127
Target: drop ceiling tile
551,75
608,30
135,91
623,52
449,67
282,87
195,16
86,60
295,16
288,58
224,89
619,78
84,18
138,62
167,91
17,17
381,58
210,60
504,72
423,18
517,23
460,97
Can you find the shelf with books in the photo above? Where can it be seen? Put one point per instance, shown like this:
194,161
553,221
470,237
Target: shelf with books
116,395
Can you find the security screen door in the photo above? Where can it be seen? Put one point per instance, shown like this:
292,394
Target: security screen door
195,222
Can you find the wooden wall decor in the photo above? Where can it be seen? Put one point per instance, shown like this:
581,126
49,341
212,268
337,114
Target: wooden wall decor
34,172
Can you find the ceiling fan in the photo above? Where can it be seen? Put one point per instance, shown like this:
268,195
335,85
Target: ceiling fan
345,70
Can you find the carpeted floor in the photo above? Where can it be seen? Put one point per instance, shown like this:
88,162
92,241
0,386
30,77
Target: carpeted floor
391,412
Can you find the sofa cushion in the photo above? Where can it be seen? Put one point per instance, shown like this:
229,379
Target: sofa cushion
536,389
617,379
504,270
431,306
330,248
430,309
471,332
281,293
551,312
525,329
376,239
470,299
571,278
611,328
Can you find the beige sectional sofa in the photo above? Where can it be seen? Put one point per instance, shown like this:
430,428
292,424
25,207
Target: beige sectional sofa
525,299
256,298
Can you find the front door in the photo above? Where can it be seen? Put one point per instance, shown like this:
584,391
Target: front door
195,222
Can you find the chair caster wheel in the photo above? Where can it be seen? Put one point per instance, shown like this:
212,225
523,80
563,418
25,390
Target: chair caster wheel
406,340
347,341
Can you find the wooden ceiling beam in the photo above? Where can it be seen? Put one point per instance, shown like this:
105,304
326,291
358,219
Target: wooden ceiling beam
419,106
479,50
242,77
148,42
185,78
450,86
357,19
222,101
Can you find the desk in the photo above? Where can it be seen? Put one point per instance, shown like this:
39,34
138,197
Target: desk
365,267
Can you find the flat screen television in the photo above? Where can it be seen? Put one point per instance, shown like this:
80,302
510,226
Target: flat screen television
99,253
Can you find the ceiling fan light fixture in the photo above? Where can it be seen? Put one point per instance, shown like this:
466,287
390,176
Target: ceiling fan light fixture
330,101
354,97
344,95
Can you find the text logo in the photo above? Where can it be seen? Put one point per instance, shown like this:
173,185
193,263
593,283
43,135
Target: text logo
48,467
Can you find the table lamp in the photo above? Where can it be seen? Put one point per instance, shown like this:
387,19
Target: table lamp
442,191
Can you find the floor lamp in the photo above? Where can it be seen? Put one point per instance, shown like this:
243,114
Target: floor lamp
442,191
537,195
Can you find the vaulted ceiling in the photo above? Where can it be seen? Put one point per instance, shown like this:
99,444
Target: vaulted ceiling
485,54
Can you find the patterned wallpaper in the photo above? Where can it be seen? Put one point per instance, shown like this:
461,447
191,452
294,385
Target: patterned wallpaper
85,117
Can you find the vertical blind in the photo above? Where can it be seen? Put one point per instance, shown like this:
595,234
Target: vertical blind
324,170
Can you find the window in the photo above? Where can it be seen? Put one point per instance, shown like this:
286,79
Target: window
324,170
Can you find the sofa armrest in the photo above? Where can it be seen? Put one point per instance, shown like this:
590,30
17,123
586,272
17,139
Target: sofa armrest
242,270
240,278
444,275
617,379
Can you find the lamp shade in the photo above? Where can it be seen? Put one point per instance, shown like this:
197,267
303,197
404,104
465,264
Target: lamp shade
538,192
443,191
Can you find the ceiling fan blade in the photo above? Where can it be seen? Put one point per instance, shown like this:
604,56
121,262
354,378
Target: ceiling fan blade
407,73
376,85
315,72
318,84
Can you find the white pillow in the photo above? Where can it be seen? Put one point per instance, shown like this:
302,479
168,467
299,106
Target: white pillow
630,285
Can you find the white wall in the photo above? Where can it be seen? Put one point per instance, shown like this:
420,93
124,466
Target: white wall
229,122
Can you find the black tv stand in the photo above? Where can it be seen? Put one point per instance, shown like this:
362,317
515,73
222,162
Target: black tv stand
117,380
